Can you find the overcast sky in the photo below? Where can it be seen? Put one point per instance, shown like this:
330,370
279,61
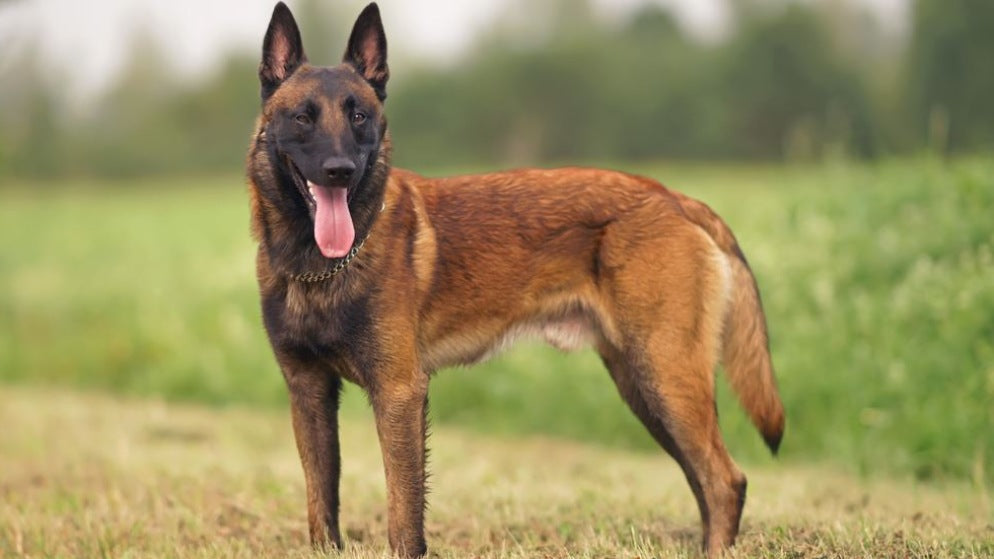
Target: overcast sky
86,39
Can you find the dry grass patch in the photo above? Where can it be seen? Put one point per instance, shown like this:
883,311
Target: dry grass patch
93,476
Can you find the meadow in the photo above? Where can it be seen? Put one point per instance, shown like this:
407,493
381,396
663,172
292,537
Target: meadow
878,282
95,475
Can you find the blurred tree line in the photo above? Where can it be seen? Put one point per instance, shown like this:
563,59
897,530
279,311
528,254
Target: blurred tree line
554,83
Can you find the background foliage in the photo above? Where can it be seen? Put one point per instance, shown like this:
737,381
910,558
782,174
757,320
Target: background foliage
126,263
790,81
878,284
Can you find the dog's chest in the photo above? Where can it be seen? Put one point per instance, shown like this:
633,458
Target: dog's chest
307,320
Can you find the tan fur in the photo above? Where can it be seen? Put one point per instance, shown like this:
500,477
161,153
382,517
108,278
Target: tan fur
454,270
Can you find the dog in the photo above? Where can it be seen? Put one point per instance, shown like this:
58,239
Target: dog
379,276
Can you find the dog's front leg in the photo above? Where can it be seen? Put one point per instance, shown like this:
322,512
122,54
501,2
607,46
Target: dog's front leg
314,397
400,403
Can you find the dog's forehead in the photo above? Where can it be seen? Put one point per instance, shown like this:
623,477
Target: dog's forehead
321,85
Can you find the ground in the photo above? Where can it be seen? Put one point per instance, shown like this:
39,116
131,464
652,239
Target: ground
88,475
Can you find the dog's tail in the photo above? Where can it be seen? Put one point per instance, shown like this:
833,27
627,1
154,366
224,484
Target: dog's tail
745,343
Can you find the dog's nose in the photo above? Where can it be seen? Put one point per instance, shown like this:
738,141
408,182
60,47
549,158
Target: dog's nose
338,168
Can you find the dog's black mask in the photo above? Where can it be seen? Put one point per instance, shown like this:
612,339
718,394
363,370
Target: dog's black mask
325,125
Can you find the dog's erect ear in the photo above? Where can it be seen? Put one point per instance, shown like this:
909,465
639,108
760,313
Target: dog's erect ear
282,50
367,50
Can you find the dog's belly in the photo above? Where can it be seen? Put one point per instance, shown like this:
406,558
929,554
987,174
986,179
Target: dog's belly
478,343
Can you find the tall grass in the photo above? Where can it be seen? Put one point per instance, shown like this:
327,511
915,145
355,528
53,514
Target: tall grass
878,284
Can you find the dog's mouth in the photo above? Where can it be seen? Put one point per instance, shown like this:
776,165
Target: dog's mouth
334,232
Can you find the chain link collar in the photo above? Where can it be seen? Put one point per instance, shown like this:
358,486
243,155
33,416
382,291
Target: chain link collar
314,277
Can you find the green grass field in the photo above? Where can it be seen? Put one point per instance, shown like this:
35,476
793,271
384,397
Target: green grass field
878,283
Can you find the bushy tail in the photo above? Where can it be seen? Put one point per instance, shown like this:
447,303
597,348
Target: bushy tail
746,351
746,355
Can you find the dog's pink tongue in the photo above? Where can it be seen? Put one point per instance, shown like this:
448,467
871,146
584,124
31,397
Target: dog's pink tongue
333,229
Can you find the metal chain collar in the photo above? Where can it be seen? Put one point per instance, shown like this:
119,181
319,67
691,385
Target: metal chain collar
314,277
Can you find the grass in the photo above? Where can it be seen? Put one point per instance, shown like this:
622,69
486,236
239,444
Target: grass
878,283
101,476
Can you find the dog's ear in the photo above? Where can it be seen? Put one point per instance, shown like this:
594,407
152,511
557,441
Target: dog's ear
282,50
367,50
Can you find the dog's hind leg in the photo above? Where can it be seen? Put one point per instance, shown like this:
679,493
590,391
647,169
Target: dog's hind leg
668,313
682,419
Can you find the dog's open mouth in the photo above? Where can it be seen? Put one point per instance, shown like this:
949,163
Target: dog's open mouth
334,232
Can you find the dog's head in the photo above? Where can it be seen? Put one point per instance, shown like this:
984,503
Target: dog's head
324,126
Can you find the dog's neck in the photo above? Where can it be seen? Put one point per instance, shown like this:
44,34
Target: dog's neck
286,231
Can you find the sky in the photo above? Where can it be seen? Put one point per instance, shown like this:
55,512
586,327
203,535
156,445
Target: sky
87,40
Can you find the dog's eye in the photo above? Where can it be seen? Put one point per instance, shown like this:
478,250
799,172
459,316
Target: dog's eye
358,118
302,118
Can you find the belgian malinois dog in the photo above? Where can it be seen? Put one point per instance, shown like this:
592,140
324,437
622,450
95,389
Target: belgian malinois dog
380,277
